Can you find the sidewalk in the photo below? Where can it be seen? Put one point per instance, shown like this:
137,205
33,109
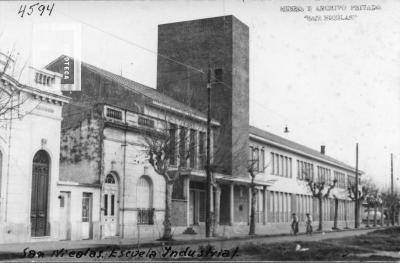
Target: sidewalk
16,250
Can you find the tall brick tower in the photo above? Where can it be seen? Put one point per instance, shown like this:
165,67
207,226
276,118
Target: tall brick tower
221,43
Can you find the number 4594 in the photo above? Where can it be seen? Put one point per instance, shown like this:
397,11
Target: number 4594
37,7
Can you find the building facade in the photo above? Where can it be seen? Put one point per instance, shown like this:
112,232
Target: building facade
220,45
107,187
29,155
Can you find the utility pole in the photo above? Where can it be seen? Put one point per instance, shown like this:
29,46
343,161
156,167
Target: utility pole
391,188
208,172
391,173
357,194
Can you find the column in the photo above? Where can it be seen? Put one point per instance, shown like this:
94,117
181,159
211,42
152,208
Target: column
187,198
197,151
231,205
212,199
197,207
265,204
250,195
217,208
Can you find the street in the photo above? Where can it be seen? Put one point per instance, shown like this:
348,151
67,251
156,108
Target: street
218,250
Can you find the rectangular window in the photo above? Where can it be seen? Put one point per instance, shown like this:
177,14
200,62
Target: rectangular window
256,159
277,164
192,149
286,167
105,204
273,163
145,216
172,144
182,147
202,150
298,169
251,154
86,207
218,74
112,205
146,122
262,160
115,114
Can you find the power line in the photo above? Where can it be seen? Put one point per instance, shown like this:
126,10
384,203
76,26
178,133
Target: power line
168,58
133,43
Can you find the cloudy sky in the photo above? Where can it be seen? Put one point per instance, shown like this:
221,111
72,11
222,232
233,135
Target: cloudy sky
334,83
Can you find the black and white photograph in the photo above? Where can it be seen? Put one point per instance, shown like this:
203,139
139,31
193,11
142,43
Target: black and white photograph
199,130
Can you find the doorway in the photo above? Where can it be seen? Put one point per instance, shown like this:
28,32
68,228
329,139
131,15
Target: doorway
39,195
110,215
65,215
87,203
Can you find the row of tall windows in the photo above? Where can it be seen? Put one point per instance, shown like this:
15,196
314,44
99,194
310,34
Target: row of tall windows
280,207
257,159
281,165
326,207
305,170
259,215
351,180
189,148
304,205
324,175
340,178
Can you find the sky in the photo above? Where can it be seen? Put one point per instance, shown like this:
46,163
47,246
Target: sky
333,83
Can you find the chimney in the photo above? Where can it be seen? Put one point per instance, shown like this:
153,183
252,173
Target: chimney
322,149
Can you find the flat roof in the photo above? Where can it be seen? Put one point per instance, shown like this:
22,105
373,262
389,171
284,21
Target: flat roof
299,148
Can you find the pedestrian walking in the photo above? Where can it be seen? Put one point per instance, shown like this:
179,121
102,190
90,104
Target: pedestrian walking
295,224
309,229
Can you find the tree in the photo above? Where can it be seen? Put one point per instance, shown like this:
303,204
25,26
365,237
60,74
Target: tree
366,188
164,150
335,218
372,201
11,96
320,190
253,169
391,202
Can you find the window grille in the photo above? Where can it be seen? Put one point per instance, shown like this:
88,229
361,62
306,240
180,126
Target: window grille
115,114
146,122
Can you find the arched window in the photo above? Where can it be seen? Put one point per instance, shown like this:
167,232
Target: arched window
144,192
110,179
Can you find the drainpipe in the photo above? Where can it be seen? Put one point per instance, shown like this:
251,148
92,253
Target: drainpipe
123,182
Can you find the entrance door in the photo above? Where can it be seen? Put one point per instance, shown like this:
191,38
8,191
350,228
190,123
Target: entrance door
86,215
202,206
40,185
191,207
65,216
110,196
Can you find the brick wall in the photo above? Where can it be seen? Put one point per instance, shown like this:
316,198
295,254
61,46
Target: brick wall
80,155
179,215
221,43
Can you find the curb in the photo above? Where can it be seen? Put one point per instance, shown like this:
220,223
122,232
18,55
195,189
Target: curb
47,253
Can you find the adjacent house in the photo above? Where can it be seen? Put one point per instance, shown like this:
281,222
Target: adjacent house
29,153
